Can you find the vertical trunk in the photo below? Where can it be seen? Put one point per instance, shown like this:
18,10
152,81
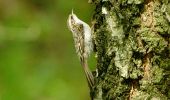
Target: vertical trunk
132,45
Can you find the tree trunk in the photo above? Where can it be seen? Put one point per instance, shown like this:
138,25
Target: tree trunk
132,45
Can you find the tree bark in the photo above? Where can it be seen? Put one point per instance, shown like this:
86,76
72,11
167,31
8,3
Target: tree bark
132,46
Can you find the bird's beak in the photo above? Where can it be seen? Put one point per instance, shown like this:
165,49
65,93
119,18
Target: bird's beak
72,12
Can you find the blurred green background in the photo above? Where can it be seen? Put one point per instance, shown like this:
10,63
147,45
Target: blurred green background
37,55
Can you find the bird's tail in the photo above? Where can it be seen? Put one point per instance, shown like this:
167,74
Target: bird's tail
88,73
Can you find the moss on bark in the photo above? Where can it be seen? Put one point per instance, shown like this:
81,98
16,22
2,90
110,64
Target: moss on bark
132,45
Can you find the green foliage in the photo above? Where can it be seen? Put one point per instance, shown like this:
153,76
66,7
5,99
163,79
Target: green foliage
37,58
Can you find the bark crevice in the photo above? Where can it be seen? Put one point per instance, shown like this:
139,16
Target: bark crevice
131,40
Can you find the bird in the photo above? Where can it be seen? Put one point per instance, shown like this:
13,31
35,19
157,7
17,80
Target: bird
82,37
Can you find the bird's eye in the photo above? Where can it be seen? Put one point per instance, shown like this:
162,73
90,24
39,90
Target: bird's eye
72,17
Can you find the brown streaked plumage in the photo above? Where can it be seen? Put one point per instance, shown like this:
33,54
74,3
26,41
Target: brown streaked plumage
83,43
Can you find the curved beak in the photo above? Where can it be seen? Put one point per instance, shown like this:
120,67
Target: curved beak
72,12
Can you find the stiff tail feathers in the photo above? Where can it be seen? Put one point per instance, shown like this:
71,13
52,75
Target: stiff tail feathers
88,73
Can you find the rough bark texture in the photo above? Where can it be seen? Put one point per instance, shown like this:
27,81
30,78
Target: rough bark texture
132,45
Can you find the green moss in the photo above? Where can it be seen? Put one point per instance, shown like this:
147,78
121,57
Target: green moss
122,43
152,41
165,63
162,25
157,74
135,1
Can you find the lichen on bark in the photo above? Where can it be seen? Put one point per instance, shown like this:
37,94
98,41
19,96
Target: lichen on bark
132,45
